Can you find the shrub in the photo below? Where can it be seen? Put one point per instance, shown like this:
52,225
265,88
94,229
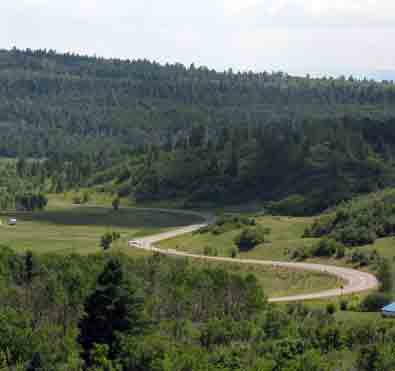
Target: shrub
210,251
327,247
233,252
227,223
375,302
343,305
331,308
302,253
340,252
385,276
249,238
108,238
115,203
361,258
85,197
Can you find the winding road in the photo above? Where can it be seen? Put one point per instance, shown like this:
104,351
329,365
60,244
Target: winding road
355,281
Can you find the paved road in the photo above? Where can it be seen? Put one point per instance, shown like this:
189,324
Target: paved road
354,281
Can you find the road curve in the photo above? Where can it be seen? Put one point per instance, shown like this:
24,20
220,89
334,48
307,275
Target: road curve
354,281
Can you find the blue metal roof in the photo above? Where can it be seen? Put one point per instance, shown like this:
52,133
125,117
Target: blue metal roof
389,308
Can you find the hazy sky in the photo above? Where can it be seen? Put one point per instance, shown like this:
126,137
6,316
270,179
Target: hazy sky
291,35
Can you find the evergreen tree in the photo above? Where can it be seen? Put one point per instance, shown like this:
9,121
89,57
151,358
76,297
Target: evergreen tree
113,309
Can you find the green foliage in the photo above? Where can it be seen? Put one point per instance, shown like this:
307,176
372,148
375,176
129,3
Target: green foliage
162,314
210,251
115,203
228,223
359,222
113,308
385,276
376,358
343,305
291,205
108,238
250,237
326,247
375,301
331,308
31,202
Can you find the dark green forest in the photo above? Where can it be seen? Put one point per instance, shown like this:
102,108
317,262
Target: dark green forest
151,131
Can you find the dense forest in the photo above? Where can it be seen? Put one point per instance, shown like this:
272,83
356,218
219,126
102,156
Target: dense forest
111,313
151,131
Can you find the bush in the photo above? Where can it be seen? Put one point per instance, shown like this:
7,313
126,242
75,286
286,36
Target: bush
331,308
210,251
249,238
86,197
326,247
233,252
361,258
385,276
343,305
228,223
375,302
340,252
302,253
108,238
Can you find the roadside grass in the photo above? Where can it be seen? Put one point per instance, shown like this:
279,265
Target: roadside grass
285,237
276,281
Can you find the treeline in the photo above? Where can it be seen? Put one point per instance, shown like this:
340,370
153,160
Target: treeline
54,103
25,182
302,169
112,313
359,222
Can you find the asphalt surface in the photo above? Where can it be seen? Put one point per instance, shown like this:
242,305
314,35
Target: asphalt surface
354,281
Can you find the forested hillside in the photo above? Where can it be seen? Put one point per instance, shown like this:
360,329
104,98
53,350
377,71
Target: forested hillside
53,103
153,131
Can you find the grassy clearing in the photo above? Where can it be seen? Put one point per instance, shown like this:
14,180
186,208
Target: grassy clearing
78,229
286,236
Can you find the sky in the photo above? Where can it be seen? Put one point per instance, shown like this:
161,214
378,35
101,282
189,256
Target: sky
316,36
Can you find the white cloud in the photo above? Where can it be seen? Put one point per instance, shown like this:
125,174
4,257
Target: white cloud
259,34
323,13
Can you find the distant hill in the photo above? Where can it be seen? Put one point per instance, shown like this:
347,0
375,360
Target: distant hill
58,103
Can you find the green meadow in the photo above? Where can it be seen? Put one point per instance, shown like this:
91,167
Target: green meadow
78,228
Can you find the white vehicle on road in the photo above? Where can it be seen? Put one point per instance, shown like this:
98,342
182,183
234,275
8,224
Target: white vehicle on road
135,243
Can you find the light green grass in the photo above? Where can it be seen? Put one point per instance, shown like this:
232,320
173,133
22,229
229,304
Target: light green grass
286,235
78,229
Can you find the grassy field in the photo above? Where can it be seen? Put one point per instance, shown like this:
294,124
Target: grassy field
285,237
78,229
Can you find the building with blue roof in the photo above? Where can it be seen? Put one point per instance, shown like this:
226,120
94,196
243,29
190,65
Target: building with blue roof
389,310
